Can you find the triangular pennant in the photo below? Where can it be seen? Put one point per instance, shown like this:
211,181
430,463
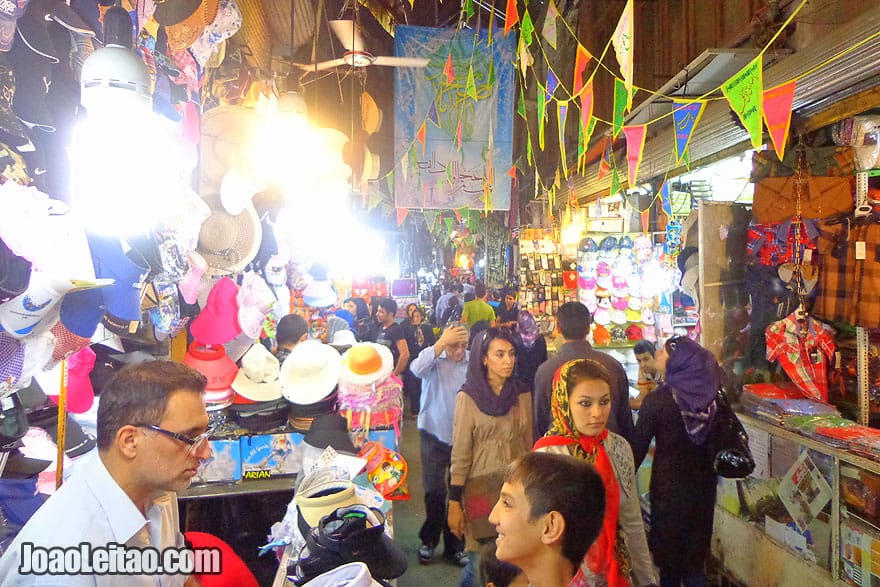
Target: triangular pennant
457,214
432,114
542,114
685,116
587,109
404,166
401,215
620,94
375,200
580,64
448,222
470,88
468,8
777,114
430,218
646,220
512,174
605,162
549,29
449,70
521,105
389,181
582,147
525,57
526,28
635,146
615,181
622,39
491,37
511,16
665,201
530,156
420,136
490,78
561,115
745,93
458,137
552,84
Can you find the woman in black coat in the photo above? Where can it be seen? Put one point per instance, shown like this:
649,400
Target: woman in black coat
678,414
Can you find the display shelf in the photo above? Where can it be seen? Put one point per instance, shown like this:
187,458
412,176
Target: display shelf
211,490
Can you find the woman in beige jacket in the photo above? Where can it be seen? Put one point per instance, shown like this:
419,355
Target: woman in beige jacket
581,404
492,426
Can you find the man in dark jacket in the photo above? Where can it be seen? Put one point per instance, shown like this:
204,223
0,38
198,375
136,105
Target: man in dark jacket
573,324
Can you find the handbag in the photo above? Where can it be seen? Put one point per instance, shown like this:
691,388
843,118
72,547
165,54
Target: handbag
733,458
478,498
775,198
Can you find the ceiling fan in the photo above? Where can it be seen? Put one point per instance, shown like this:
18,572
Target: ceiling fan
355,55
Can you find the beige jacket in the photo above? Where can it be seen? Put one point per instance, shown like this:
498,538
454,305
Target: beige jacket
630,515
483,444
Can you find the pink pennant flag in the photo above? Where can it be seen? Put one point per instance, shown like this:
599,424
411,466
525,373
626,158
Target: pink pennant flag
401,215
622,39
635,146
580,64
549,29
587,107
458,134
449,70
420,136
777,114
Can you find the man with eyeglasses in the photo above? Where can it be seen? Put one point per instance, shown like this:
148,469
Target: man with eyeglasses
442,369
152,435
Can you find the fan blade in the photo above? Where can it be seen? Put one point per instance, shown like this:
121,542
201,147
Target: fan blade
348,34
401,61
320,66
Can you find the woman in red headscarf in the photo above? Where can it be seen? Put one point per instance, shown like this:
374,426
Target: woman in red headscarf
581,404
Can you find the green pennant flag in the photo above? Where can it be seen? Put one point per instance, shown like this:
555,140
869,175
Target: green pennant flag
530,157
521,107
620,96
615,181
430,218
582,146
527,29
448,222
469,8
542,114
471,87
745,92
490,78
390,179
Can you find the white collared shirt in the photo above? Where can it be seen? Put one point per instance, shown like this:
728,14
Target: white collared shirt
92,508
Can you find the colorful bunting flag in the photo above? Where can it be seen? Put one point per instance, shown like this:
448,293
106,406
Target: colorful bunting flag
635,146
457,214
615,181
587,109
542,115
685,115
646,220
449,70
605,162
525,57
665,201
432,114
511,16
375,200
448,222
777,114
420,136
530,157
430,218
549,29
622,40
521,106
580,64
526,28
512,174
561,114
490,77
458,134
745,93
468,8
620,96
582,149
470,88
552,84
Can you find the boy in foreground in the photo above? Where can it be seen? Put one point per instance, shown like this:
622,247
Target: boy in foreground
549,514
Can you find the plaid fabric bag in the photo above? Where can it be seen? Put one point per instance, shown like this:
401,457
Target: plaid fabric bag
823,161
836,270
866,305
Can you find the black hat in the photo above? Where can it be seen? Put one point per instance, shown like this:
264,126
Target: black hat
330,430
260,416
76,441
15,273
32,74
352,534
13,423
19,466
171,12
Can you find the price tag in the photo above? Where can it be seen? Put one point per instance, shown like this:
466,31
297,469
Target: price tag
808,256
860,250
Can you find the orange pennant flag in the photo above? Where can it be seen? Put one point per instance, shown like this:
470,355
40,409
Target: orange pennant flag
511,16
420,136
458,134
777,114
401,215
449,70
512,173
580,64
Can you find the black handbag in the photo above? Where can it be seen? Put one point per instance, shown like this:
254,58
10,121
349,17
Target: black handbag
733,458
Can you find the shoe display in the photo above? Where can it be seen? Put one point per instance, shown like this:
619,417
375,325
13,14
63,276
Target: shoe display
426,553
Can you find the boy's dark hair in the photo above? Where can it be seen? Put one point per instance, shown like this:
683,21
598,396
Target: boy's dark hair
574,320
138,395
290,329
564,484
492,570
388,305
480,289
644,346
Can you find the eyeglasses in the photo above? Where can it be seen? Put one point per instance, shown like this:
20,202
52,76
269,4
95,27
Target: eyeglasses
194,444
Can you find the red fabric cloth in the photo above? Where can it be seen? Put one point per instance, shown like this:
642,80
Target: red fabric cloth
234,572
803,350
601,558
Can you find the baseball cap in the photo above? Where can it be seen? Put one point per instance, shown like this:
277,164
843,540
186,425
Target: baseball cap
10,12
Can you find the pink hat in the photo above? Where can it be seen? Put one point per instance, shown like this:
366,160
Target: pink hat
217,323
255,300
80,393
191,282
212,362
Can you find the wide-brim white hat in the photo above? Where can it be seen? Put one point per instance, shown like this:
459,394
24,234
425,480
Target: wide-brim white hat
259,377
310,373
366,363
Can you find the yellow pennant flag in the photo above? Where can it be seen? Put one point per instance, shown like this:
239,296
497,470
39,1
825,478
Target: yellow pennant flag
623,48
745,92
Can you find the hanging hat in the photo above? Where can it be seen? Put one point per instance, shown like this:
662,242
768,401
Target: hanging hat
348,575
190,283
10,12
366,363
66,342
330,430
184,33
77,441
217,323
216,366
15,274
225,24
129,270
29,101
80,393
255,300
171,12
228,243
258,379
13,422
310,373
11,362
320,294
225,132
11,130
33,26
35,309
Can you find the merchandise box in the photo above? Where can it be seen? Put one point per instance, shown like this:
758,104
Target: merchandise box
269,455
387,438
224,464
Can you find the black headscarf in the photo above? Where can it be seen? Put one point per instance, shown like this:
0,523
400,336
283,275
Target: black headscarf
477,385
695,377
